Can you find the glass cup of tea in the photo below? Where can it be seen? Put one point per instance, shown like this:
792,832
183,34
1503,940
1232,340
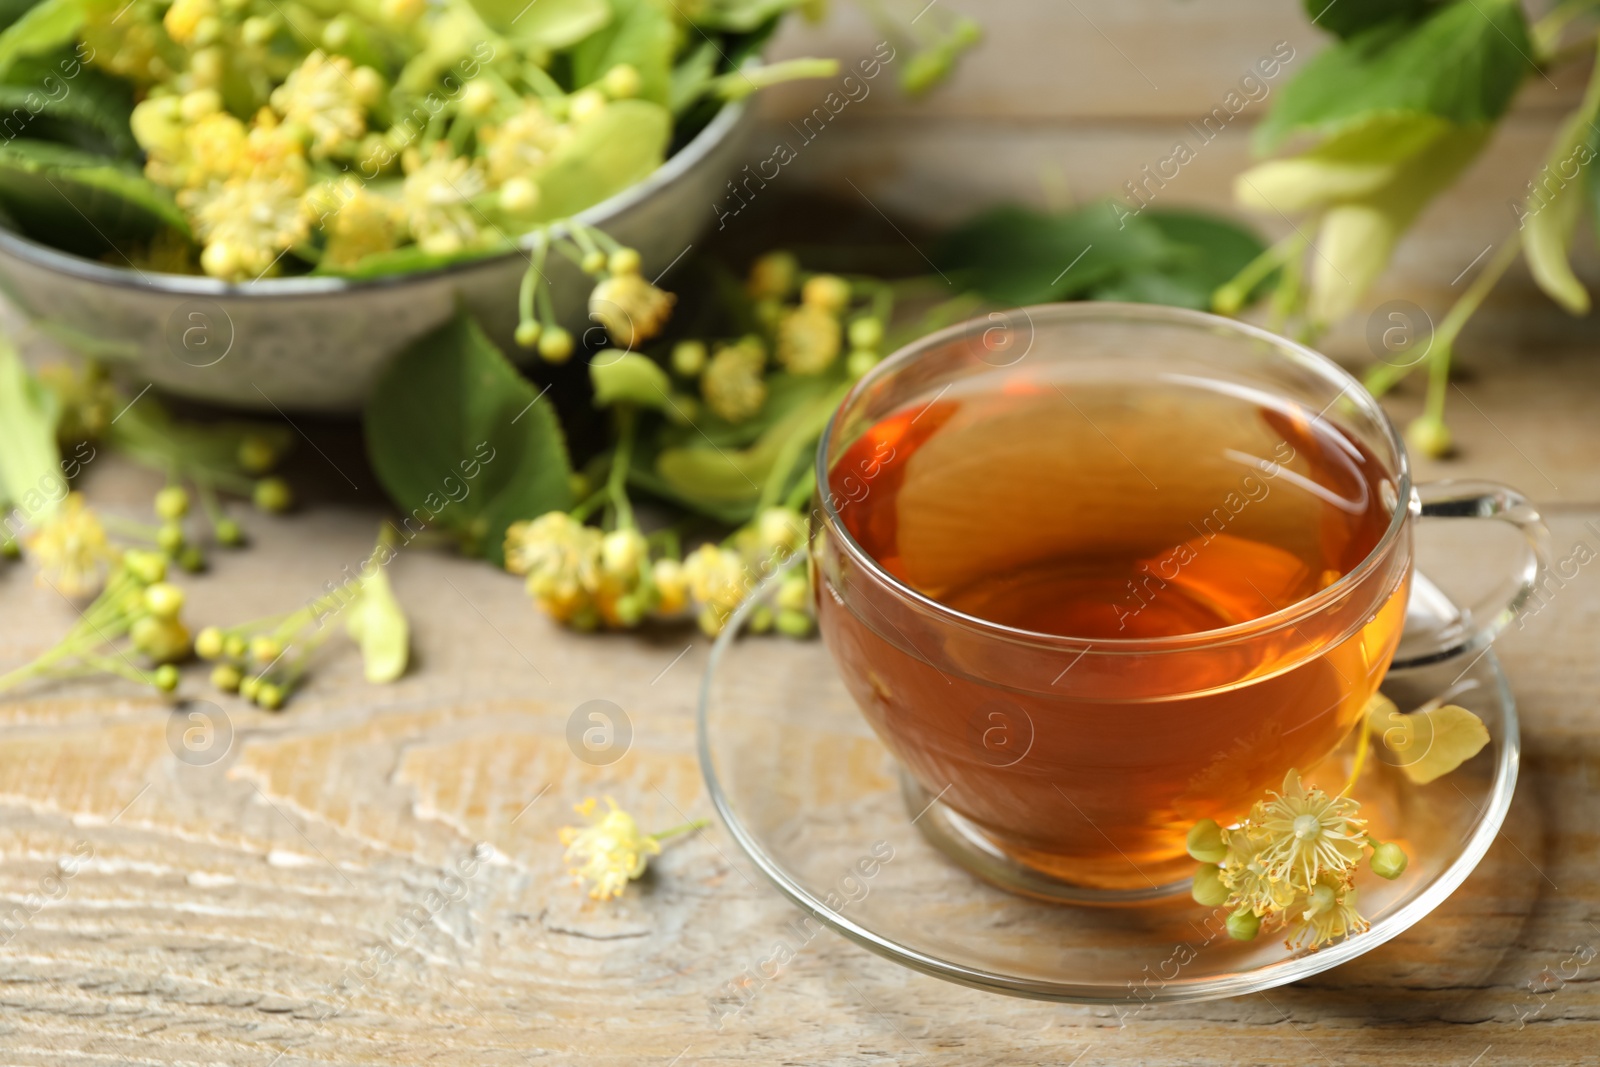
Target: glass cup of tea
1094,572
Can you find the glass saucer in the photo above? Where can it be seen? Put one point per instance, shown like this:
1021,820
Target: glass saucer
817,803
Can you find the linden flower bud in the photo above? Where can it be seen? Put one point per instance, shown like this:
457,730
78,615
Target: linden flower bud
796,624
270,696
689,358
672,586
229,532
166,678
593,262
519,196
402,12
226,677
826,292
795,593
191,559
1429,435
556,345
264,649
249,687
630,308
273,494
197,105
368,85
1388,860
256,454
208,643
1243,925
1208,886
773,276
146,567
162,640
585,104
172,502
234,647
163,600
682,408
258,30
170,538
622,552
761,619
622,82
477,98
623,261
528,334
860,362
866,332
1205,842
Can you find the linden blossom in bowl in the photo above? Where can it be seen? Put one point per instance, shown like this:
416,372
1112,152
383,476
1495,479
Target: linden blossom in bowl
287,206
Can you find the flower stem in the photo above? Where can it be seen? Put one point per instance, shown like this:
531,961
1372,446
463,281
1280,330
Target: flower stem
1363,746
621,461
1230,296
688,827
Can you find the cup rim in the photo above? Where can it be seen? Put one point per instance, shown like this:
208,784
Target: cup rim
1087,309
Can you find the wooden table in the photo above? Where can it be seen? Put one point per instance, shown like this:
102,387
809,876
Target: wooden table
292,903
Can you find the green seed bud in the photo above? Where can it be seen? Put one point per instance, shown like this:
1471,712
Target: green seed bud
826,291
163,600
249,686
556,345
1430,436
593,262
689,358
146,567
624,261
166,678
1208,887
172,503
1205,842
170,538
270,696
1243,925
234,647
256,454
794,623
264,649
230,533
163,640
1388,860
860,361
622,81
273,494
528,334
866,332
191,559
226,677
208,643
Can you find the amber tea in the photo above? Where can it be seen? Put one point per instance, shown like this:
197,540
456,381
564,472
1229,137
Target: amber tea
1162,525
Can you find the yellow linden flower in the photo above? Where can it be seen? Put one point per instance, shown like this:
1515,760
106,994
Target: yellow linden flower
1246,876
358,222
809,339
72,550
1327,913
247,224
437,195
272,150
324,97
630,308
183,19
1309,832
610,852
732,384
718,582
520,146
559,555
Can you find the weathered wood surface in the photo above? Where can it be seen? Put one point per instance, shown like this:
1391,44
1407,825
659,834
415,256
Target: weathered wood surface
290,904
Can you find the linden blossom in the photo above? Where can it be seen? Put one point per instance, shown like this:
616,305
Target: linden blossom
783,154
1255,89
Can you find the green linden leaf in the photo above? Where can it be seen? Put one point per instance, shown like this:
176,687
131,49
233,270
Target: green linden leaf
739,16
41,28
1464,62
88,110
554,24
620,146
1549,216
1203,252
461,441
1346,18
378,624
1427,744
81,202
640,33
30,461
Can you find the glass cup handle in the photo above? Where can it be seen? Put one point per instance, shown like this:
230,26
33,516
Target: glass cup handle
1474,626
